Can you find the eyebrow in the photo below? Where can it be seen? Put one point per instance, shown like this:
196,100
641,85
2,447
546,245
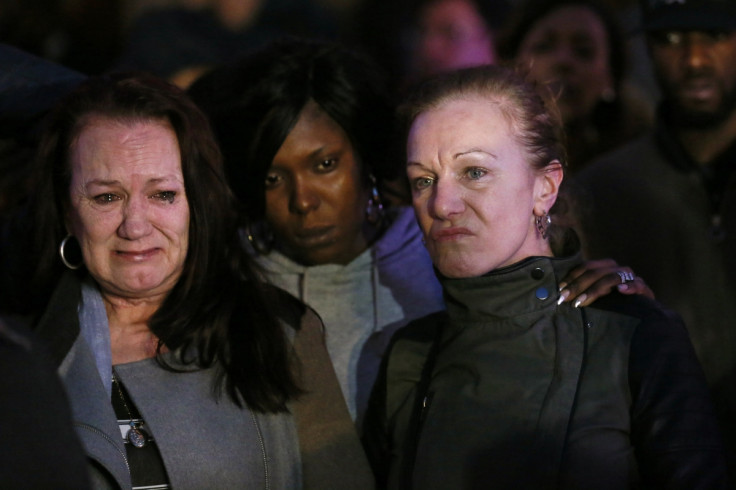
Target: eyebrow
154,181
101,182
473,150
458,155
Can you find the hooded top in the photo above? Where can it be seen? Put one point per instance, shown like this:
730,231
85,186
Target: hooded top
364,302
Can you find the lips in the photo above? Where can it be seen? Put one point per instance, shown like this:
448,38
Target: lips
313,235
136,255
450,234
698,89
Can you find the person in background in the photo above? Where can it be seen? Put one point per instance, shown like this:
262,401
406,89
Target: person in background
29,87
445,35
509,386
306,130
42,449
666,203
183,369
577,47
420,37
180,43
82,35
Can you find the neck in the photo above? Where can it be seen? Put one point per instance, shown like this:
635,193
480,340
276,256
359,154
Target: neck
131,339
704,145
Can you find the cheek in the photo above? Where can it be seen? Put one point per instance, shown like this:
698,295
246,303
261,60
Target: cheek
351,209
663,61
598,74
276,213
92,227
183,231
537,65
348,195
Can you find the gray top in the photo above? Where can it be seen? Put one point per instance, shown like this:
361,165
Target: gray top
364,302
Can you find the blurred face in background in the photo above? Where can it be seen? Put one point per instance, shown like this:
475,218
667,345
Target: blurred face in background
315,195
697,74
569,49
452,34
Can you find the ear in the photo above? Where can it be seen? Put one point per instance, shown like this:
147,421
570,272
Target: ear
547,187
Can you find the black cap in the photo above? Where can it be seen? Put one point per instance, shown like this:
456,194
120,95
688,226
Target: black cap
689,15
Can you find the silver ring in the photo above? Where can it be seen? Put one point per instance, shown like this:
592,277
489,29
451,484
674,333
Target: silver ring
625,276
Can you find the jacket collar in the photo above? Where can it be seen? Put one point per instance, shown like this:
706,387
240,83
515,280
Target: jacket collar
526,288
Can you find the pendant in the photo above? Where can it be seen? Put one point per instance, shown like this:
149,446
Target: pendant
137,437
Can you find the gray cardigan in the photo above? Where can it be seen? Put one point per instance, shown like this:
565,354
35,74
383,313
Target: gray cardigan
207,442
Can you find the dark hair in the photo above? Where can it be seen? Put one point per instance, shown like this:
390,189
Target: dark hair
527,15
217,312
254,103
529,107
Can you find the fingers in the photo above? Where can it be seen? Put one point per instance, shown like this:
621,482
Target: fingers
594,279
590,266
637,286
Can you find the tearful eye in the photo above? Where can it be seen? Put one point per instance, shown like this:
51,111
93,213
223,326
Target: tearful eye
105,198
166,196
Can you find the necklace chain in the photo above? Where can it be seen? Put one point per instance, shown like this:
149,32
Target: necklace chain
136,435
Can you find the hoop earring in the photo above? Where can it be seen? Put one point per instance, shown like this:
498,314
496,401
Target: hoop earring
543,223
63,258
260,238
374,208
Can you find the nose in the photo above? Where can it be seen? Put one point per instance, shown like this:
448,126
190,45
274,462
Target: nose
304,198
696,53
135,220
446,200
564,59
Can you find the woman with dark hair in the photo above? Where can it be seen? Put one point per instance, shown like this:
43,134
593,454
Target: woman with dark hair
578,48
509,387
306,133
216,380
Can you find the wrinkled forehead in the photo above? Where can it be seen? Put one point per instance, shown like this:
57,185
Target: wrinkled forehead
124,121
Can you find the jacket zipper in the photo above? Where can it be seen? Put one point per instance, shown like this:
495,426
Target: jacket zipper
263,451
107,438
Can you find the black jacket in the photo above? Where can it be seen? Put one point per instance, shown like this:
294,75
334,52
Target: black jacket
523,393
649,206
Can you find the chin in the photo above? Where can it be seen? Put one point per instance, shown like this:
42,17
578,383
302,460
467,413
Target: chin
460,271
142,285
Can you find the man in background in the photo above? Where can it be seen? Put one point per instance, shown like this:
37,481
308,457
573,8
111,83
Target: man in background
666,203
